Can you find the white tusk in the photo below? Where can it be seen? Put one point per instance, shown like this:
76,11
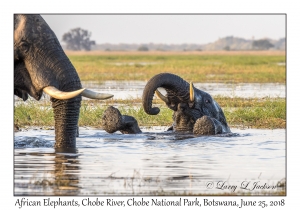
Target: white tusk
55,93
192,94
161,96
94,95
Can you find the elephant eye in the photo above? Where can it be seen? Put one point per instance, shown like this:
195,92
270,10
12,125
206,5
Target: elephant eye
24,46
207,101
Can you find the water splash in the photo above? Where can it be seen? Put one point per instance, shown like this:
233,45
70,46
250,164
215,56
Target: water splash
32,142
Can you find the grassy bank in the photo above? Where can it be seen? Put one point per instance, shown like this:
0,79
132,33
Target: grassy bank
269,113
224,67
197,67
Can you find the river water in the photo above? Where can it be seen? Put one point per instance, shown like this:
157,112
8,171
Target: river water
134,89
152,163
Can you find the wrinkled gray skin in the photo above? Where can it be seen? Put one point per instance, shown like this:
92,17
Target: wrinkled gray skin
39,61
203,116
22,83
113,121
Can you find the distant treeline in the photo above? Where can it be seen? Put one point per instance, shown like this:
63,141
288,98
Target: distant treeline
228,43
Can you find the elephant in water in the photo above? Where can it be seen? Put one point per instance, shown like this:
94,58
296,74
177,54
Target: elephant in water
113,120
194,110
40,65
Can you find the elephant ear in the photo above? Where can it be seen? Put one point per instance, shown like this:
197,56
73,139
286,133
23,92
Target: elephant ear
129,123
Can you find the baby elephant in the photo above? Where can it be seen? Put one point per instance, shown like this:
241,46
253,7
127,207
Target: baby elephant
113,120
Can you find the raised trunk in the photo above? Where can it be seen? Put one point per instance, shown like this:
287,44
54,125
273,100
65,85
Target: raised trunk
177,91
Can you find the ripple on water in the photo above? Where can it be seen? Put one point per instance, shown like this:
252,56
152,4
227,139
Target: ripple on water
146,163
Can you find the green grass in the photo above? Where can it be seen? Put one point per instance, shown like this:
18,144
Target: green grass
33,114
202,67
197,68
269,113
257,113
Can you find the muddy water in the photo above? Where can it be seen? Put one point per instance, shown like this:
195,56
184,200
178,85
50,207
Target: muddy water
149,163
134,89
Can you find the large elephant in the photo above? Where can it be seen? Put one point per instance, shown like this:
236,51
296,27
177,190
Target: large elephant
40,65
194,110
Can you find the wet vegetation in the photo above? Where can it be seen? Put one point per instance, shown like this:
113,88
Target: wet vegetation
201,67
267,113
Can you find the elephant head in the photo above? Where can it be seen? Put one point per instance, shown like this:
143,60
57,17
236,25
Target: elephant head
189,104
113,120
40,65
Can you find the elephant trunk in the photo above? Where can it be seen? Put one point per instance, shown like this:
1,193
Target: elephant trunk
66,112
177,91
66,115
59,72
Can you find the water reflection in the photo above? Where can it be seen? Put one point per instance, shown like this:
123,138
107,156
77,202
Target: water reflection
43,172
66,169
